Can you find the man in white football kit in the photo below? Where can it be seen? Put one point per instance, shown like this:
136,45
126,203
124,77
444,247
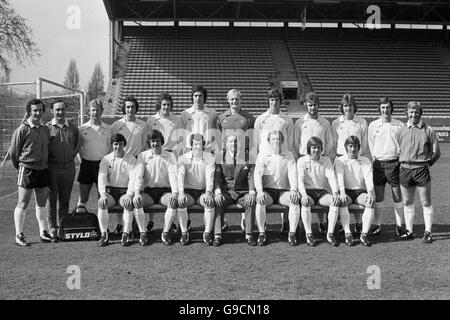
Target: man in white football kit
95,143
384,148
195,185
315,173
276,182
314,125
116,187
134,130
355,180
166,122
156,181
274,119
350,124
200,119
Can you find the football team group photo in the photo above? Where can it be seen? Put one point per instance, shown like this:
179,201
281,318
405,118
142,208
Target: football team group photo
243,150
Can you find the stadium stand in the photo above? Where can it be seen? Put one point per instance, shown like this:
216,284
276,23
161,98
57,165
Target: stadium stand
163,64
369,69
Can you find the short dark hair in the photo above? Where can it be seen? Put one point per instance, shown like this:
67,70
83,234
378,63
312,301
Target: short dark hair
58,101
385,100
199,88
155,134
163,96
117,137
352,140
34,102
132,99
314,141
197,137
274,93
348,99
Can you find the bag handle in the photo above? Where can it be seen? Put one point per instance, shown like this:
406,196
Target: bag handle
74,212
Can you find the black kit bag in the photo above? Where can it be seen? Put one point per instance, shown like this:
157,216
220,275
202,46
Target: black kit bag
77,226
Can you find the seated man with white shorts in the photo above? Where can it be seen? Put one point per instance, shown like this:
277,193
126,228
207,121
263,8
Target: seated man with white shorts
276,182
156,181
116,187
315,175
195,185
355,180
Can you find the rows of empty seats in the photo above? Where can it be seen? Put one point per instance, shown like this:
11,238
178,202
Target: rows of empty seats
166,64
370,69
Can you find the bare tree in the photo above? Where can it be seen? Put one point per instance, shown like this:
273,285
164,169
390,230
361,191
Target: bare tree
72,79
96,84
16,44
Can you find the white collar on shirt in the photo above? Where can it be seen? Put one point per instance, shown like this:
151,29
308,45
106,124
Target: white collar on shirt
32,125
192,110
418,125
356,118
55,123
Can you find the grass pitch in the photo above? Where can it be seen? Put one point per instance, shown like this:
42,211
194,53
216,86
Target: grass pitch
409,270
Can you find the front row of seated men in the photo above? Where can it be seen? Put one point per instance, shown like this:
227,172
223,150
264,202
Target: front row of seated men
156,175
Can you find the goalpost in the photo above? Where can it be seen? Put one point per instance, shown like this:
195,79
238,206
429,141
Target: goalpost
76,105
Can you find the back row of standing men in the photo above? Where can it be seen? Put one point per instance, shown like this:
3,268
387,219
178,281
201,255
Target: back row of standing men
380,140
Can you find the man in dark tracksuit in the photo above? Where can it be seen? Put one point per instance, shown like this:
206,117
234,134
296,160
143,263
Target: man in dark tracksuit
63,147
234,184
29,153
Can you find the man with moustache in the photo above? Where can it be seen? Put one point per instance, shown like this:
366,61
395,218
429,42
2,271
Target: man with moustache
63,147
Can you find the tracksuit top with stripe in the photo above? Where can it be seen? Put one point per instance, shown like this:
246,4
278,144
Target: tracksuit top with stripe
29,146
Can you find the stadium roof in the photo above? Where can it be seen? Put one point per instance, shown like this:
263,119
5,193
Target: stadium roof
394,11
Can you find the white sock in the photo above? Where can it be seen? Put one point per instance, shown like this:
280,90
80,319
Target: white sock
294,217
19,219
398,212
208,216
378,214
242,216
41,216
169,216
127,220
428,217
103,220
139,215
260,215
182,218
344,217
410,211
306,218
333,213
367,218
